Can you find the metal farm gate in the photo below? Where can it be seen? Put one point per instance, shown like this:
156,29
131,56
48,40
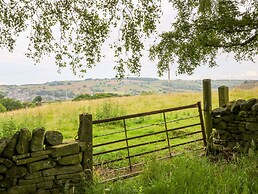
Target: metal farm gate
120,143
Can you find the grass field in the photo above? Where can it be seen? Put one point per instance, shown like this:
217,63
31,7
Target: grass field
63,116
189,174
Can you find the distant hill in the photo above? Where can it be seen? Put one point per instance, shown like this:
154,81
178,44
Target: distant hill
63,90
248,84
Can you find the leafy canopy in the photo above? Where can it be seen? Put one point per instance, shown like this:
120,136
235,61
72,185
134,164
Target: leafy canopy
205,28
37,99
75,30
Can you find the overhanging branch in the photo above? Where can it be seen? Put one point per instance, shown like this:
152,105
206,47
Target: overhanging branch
249,40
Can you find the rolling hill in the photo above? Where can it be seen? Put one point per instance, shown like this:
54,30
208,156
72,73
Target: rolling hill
65,90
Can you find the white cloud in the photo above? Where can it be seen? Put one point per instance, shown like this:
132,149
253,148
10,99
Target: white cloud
250,75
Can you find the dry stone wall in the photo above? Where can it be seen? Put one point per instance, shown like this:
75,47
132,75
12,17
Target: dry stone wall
236,126
39,162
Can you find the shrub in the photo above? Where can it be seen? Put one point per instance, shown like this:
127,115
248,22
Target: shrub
2,108
82,97
109,110
95,96
37,99
11,104
8,128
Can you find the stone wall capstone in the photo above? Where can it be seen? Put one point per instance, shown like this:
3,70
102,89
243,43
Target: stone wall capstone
236,126
40,162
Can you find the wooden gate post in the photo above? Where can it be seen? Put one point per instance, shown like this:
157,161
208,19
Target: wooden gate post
207,104
85,136
223,95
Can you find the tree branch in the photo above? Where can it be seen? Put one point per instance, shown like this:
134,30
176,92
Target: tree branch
249,40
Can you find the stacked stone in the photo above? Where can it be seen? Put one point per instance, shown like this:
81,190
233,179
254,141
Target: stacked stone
39,162
236,125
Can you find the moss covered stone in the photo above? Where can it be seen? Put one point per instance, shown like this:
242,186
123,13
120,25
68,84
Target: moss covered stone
72,159
255,107
10,149
31,160
6,162
3,168
22,146
33,175
40,165
3,144
16,172
248,104
252,126
53,138
22,189
37,140
37,180
62,170
65,149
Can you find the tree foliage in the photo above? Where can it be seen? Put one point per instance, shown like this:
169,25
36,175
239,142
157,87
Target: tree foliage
2,108
37,99
203,29
75,30
95,96
11,104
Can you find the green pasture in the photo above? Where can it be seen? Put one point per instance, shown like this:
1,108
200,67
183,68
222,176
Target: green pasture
64,117
190,174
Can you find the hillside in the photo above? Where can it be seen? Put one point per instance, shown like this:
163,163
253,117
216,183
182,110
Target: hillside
63,90
247,85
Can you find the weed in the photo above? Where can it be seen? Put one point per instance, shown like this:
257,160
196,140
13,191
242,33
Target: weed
109,109
191,174
9,127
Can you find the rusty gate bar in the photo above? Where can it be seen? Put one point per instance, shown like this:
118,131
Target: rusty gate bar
146,143
145,135
130,138
127,146
137,128
143,114
165,122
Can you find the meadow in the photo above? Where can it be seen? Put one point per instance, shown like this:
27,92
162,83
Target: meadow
188,174
64,117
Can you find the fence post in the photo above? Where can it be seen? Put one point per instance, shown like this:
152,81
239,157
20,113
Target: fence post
223,95
207,104
85,136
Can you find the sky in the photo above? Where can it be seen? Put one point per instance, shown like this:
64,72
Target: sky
17,69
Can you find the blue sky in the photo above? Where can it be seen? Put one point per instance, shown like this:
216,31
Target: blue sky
18,69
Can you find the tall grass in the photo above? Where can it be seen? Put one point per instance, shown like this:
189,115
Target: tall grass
180,175
63,116
193,175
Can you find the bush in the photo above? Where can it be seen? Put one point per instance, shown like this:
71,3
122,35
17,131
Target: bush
82,97
109,110
2,108
9,127
11,104
95,96
37,99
